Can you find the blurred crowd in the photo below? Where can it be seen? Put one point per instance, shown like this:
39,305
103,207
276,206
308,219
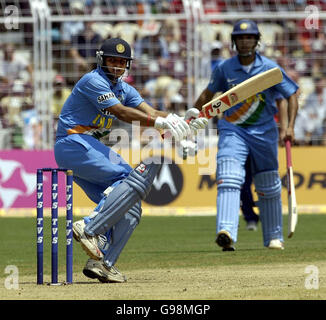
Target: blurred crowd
159,69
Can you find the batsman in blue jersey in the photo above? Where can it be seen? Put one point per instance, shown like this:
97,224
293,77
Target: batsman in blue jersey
99,98
249,129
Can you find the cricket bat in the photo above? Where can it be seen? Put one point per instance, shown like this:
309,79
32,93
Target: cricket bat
241,92
292,202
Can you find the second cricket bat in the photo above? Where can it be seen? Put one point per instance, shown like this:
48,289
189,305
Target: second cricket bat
292,202
241,92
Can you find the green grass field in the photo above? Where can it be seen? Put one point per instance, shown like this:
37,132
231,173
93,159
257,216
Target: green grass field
176,258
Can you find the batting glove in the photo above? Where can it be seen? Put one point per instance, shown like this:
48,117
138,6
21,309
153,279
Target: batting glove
195,122
178,127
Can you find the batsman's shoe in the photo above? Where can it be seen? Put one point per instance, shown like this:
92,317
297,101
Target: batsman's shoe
98,270
276,244
224,240
88,243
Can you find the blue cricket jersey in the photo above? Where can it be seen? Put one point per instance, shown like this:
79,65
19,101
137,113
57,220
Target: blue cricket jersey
84,110
257,111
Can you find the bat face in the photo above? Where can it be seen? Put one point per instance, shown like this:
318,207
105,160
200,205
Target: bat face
241,92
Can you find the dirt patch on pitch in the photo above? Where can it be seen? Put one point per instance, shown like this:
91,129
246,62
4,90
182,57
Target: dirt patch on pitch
286,281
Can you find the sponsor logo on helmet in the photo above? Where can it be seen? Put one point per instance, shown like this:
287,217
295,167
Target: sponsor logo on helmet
244,26
120,48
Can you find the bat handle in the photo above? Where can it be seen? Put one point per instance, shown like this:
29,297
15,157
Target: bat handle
288,153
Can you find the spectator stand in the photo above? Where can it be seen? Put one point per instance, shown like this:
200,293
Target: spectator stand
168,21
15,65
189,29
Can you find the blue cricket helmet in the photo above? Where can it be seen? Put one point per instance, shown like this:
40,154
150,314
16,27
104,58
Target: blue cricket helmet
245,26
114,47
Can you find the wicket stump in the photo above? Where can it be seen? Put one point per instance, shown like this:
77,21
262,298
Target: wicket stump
54,225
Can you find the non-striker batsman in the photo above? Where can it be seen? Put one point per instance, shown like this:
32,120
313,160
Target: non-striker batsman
99,98
249,129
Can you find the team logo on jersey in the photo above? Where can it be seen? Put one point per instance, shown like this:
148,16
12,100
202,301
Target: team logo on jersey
105,97
232,85
231,80
120,48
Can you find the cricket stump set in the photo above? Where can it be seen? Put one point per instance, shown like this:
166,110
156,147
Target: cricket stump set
54,225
